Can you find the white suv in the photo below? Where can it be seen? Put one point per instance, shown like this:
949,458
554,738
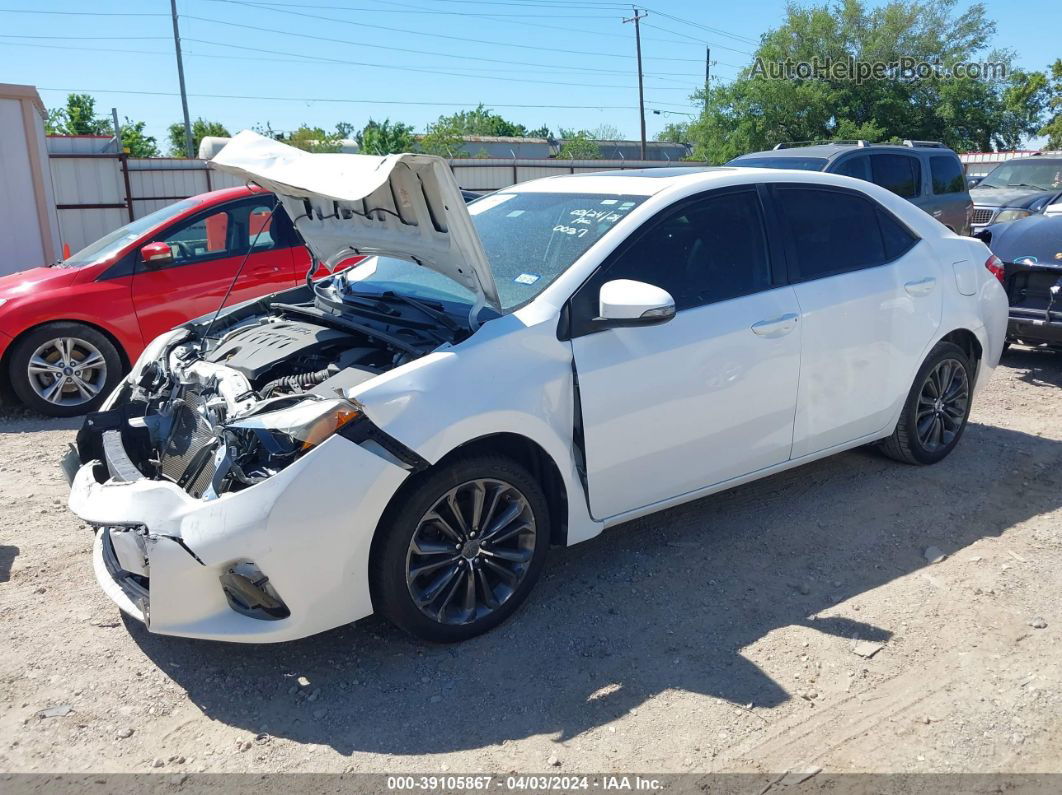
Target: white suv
409,436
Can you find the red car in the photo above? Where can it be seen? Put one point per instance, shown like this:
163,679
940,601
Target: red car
68,332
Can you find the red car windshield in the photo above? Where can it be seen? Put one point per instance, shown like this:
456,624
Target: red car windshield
109,245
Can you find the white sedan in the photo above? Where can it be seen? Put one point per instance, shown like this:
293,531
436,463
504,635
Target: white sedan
410,436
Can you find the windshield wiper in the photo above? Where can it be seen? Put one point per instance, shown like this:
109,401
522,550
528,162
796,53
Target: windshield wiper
1024,185
434,314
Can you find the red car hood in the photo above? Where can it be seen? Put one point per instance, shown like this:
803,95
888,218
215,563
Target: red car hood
35,280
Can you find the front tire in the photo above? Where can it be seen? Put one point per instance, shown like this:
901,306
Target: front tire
462,549
64,369
937,408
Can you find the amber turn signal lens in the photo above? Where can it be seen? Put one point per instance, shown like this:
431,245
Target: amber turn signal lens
327,425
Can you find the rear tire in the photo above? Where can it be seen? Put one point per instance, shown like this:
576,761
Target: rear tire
445,570
937,408
64,369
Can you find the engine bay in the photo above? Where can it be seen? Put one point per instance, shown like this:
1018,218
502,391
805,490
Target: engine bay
229,402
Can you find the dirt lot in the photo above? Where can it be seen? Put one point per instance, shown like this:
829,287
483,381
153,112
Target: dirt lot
722,635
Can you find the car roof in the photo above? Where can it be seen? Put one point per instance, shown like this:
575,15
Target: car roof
635,181
227,194
832,150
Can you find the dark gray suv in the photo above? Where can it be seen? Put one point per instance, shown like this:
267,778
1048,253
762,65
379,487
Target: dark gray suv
926,173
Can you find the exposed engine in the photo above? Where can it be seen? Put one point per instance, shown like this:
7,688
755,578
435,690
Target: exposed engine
222,415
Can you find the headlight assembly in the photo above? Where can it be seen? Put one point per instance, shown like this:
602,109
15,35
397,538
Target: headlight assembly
303,426
1012,214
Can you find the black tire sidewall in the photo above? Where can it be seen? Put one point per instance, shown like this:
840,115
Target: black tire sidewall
28,343
943,350
391,596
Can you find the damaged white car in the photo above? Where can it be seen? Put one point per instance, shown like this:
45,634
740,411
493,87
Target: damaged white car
410,436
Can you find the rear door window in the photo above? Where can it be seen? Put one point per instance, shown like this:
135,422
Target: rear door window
902,174
857,166
947,174
834,231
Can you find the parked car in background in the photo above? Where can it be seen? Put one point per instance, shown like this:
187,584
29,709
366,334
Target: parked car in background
926,173
409,436
68,332
1016,189
1030,257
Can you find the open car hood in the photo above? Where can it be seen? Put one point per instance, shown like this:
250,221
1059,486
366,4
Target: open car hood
406,206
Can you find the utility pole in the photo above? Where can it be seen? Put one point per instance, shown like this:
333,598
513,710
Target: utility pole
707,74
180,77
638,47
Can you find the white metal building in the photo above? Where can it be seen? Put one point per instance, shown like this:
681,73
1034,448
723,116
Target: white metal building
29,225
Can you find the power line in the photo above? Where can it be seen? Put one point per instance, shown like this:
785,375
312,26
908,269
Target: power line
510,19
426,70
81,13
84,38
362,44
446,36
699,40
335,100
416,10
312,58
720,31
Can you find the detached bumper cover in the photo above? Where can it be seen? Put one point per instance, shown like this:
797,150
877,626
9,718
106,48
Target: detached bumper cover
308,529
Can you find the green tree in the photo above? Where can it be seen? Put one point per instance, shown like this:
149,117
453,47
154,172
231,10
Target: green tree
444,138
385,138
757,110
1053,128
675,133
201,128
312,139
136,142
77,117
482,121
540,132
578,145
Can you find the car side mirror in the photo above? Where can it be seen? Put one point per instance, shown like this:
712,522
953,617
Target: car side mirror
624,302
156,254
972,182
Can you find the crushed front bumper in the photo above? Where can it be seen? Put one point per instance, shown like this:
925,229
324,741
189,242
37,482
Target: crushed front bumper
308,529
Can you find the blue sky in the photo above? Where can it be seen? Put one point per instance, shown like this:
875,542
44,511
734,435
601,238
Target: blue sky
553,62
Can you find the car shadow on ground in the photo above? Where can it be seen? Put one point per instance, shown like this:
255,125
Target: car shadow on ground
7,558
669,601
16,419
1038,366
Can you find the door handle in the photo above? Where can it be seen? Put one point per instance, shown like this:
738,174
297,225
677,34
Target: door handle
920,286
776,327
261,270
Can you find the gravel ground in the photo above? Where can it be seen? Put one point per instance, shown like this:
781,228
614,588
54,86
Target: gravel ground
796,621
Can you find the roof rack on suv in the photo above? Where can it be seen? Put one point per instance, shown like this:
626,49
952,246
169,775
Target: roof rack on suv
931,144
796,144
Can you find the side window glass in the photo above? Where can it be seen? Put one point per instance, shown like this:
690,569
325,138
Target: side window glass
831,232
205,238
899,173
710,250
947,174
897,238
260,229
857,167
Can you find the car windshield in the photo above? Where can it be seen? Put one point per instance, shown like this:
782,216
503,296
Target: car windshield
109,245
530,239
1042,176
800,163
